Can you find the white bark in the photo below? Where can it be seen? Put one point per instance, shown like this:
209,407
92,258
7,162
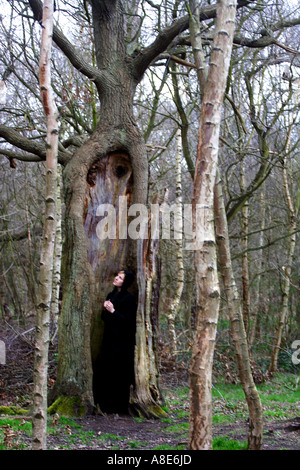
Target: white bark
178,227
195,31
56,277
39,417
207,284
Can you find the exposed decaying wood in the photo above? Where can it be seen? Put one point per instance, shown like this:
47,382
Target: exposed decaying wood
109,184
39,415
146,398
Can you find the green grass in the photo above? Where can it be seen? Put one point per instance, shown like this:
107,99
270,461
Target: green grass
225,443
15,427
168,447
109,436
281,396
178,427
280,399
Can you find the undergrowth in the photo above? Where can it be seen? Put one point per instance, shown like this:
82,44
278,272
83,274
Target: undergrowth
280,398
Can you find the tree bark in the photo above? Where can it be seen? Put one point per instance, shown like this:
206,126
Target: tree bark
196,41
206,276
55,307
39,417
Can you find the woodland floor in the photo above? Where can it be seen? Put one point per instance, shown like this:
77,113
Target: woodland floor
121,432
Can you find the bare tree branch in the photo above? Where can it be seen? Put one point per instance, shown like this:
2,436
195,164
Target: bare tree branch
32,147
165,37
263,41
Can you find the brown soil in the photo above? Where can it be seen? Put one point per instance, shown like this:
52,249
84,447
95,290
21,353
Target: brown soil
126,432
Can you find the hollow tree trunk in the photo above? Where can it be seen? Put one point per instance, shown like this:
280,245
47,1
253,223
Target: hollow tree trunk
110,169
101,172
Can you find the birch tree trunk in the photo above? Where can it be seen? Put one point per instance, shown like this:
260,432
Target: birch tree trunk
56,277
237,325
39,418
195,31
178,226
206,276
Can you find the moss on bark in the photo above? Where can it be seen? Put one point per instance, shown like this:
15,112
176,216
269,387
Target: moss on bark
68,406
12,410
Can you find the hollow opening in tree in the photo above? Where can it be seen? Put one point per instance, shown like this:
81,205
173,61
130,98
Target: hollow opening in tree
109,191
114,366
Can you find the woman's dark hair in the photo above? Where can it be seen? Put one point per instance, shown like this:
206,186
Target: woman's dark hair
129,278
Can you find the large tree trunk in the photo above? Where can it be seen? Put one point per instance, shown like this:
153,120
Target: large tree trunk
110,167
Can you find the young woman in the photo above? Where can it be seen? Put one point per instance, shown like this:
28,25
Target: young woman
115,368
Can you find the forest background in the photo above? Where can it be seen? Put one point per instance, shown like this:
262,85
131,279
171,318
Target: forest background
258,163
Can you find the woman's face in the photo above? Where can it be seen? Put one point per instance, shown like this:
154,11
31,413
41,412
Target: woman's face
119,279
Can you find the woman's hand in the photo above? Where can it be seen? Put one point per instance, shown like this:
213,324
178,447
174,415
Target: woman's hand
109,306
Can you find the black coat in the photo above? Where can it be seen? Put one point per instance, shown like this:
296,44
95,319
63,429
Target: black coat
115,367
